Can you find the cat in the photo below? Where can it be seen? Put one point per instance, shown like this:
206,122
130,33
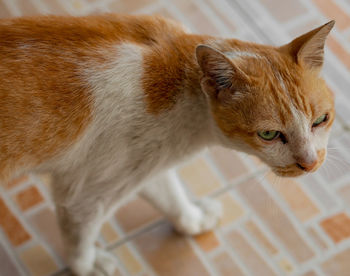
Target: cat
108,103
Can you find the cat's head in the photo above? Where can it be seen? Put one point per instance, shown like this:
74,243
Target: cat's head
271,101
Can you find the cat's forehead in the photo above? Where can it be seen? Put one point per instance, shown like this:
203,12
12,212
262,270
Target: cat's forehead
284,93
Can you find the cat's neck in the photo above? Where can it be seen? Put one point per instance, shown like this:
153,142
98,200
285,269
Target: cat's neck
171,72
171,83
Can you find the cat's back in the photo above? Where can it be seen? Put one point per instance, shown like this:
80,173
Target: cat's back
63,31
46,100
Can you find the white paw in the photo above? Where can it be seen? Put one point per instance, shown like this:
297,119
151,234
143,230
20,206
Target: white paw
200,217
104,264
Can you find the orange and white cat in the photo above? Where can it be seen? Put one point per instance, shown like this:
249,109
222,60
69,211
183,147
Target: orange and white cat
106,103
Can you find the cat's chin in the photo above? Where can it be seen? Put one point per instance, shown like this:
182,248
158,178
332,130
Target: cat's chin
288,172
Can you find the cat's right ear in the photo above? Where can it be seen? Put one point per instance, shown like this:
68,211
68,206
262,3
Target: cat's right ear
219,72
308,49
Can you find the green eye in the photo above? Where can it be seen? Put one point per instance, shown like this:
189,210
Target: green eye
320,120
269,134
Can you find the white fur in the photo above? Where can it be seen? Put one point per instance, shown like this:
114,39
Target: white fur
170,197
242,54
123,147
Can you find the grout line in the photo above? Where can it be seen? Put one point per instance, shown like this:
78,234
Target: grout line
242,179
202,257
12,254
129,237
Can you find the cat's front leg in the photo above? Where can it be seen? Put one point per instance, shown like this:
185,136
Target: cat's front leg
188,217
80,216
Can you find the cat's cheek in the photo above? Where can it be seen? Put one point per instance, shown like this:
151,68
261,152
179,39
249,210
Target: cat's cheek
320,139
275,155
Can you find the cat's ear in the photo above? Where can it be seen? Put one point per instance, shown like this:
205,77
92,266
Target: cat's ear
308,49
217,68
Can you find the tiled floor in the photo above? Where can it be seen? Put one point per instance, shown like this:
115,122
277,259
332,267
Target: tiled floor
270,226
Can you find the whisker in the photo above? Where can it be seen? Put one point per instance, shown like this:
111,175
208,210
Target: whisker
341,167
338,158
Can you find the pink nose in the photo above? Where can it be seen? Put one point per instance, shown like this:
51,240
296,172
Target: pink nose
308,167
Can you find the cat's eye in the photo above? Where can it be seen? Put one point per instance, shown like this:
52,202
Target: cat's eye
269,135
320,120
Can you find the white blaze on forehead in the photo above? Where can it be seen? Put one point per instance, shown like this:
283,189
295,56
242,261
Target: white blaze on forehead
299,118
301,137
281,82
240,54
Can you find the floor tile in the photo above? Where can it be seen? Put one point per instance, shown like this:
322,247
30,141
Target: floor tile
268,228
169,253
199,177
337,227
276,219
248,255
130,218
338,264
13,229
38,261
28,198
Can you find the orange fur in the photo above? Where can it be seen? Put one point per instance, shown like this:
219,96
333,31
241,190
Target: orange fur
263,95
47,104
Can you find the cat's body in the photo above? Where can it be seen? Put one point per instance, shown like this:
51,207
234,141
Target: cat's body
106,103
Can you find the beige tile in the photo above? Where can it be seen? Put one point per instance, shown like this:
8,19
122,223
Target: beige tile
303,208
338,265
27,7
169,253
275,219
56,7
129,6
317,238
45,223
16,181
108,233
286,266
199,20
305,27
260,237
117,273
227,20
248,255
339,50
128,259
78,5
46,179
199,177
135,214
165,13
284,10
7,265
319,192
344,193
4,11
207,241
334,11
38,261
224,264
310,273
231,209
228,163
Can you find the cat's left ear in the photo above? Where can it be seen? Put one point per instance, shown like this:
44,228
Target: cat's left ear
219,72
308,49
